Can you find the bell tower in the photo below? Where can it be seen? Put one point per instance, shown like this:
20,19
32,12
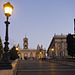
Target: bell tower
25,43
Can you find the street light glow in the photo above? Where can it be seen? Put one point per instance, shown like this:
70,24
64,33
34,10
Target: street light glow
16,48
8,9
52,49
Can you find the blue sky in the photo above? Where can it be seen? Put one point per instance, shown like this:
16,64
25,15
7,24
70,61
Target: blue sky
38,20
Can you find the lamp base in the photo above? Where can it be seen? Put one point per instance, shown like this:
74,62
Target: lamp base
5,63
5,66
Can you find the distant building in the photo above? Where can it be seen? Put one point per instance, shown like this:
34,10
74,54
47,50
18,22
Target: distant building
58,47
27,53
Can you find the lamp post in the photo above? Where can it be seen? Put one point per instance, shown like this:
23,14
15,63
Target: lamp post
5,64
52,52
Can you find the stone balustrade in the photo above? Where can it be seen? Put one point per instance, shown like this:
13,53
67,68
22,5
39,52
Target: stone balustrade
12,71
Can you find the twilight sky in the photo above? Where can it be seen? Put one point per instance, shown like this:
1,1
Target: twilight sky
38,20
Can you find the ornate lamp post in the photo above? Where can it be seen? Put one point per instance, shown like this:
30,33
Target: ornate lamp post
5,64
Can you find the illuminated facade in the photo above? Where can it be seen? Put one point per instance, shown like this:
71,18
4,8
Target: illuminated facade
59,45
27,53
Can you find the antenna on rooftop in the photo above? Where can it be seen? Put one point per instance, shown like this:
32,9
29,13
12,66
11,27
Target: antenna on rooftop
74,26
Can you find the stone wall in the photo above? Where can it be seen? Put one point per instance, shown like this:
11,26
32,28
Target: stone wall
12,71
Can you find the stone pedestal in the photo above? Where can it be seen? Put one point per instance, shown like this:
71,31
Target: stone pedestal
5,63
4,66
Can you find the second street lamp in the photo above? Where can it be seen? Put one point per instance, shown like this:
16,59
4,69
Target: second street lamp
52,49
5,64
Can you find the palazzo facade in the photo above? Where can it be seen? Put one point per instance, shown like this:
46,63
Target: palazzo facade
27,53
58,47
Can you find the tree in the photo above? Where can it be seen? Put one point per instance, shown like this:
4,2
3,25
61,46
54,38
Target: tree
71,44
1,47
13,53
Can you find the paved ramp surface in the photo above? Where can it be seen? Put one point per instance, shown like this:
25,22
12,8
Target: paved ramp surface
34,67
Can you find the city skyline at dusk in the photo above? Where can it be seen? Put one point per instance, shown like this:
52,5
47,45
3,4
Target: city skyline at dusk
38,20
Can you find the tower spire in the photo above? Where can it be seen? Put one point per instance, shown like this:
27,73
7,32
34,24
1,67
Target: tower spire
25,35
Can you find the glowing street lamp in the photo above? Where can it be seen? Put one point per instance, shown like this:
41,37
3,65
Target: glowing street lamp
5,64
8,9
52,49
17,48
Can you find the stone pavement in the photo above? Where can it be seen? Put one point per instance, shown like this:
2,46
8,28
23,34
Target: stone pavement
65,62
34,67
